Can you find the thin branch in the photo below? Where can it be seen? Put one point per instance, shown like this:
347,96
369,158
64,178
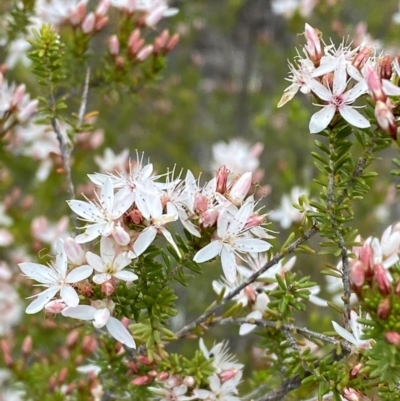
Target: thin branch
82,109
291,328
279,393
201,319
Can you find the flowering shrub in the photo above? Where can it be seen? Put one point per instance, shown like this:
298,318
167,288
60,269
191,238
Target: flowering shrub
113,250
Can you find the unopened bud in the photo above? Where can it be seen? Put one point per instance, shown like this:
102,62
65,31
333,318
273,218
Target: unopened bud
135,216
227,375
89,345
313,46
255,220
103,7
72,339
74,252
240,188
144,360
374,83
28,111
385,67
100,23
113,45
222,179
77,14
209,217
174,381
384,309
357,274
142,380
362,57
107,288
144,52
52,384
386,119
27,346
366,257
62,375
392,337
162,376
189,381
18,95
382,280
88,23
355,371
152,373
120,236
135,42
352,395
172,43
200,203
161,41
55,306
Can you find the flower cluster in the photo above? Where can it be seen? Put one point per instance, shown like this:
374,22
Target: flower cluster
338,76
130,210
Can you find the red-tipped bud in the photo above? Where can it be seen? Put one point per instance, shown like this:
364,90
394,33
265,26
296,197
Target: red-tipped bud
362,57
384,309
161,41
313,46
222,179
382,280
255,220
162,376
392,337
6,351
386,119
113,45
374,83
385,67
72,339
134,41
62,376
355,371
227,375
107,288
366,257
144,360
136,217
209,217
357,275
142,380
100,23
27,346
172,43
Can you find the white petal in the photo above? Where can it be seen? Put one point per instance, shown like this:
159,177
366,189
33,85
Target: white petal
169,238
61,258
121,261
125,275
390,88
240,219
340,77
251,245
96,262
91,233
325,67
107,250
79,274
120,332
344,333
69,295
246,328
320,90
101,317
146,237
82,312
353,117
356,92
203,348
85,210
222,223
101,278
107,194
208,252
42,299
317,300
321,119
40,273
229,266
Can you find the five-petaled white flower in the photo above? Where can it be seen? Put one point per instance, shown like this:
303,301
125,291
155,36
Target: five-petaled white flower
103,214
233,239
220,391
56,278
337,101
109,265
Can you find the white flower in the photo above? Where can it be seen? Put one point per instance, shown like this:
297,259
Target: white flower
337,101
357,329
10,308
233,239
109,265
286,214
56,12
104,214
170,392
220,391
111,161
56,278
222,360
313,296
100,318
237,155
259,309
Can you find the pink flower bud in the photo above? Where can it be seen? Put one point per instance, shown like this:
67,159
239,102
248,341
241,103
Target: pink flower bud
62,376
240,188
74,251
100,23
392,337
355,371
250,293
352,395
374,83
200,203
28,111
88,23
366,256
120,236
313,46
209,217
142,380
72,339
357,274
161,41
385,67
89,345
113,45
136,216
18,95
152,373
385,118
134,40
382,280
397,290
55,306
174,381
162,376
102,8
76,16
144,360
222,179
6,351
27,346
144,52
189,381
172,43
362,57
227,375
257,149
384,309
107,288
255,220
